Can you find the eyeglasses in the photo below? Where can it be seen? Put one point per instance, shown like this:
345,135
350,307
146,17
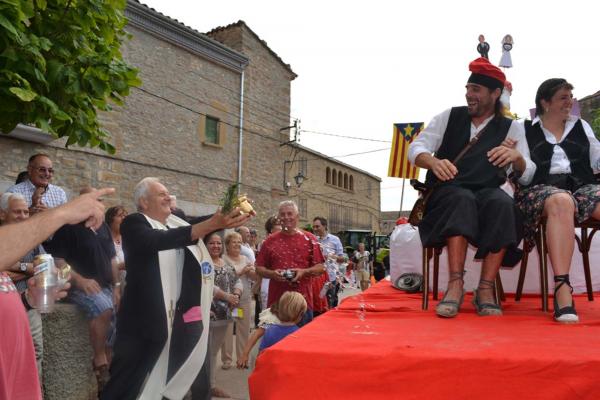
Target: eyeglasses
45,170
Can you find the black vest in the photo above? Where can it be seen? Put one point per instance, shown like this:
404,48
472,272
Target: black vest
474,170
576,146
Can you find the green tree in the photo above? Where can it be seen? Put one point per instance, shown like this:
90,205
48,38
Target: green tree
60,62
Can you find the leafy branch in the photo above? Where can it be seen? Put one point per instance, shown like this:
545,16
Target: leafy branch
60,64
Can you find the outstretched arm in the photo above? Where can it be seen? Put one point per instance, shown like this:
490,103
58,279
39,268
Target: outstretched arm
242,361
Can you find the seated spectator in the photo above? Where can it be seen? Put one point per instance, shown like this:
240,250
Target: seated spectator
13,209
39,193
95,277
221,309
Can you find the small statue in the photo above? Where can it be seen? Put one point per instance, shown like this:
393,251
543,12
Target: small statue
507,45
483,47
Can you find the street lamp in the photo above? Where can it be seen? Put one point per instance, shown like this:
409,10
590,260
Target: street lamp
299,178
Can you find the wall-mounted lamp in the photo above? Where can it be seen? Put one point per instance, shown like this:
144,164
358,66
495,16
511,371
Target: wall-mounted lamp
299,178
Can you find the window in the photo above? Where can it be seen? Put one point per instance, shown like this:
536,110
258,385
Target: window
369,189
327,175
302,208
345,180
340,179
211,133
351,185
334,177
303,166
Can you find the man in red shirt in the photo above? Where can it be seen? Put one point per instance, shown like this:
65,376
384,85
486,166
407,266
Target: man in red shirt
291,259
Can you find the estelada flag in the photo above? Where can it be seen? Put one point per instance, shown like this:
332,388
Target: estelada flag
404,134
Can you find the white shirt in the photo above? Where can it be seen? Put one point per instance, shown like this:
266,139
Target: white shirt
560,164
247,251
53,197
430,140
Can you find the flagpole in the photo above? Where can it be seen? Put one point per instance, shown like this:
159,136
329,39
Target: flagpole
401,198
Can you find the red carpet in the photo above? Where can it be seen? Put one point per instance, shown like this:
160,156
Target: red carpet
398,351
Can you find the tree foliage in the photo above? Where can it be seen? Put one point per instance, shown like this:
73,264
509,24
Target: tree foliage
60,62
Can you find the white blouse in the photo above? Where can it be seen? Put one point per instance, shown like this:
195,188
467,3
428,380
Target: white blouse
430,140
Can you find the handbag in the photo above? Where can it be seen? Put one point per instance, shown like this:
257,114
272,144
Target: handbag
425,192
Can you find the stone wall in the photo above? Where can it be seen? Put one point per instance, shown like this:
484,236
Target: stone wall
67,363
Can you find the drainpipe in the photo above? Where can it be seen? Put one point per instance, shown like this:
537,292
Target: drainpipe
241,134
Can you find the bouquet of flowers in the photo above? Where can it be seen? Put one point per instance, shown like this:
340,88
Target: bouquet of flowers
231,200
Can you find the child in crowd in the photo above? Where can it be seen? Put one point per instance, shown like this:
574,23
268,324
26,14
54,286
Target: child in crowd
275,323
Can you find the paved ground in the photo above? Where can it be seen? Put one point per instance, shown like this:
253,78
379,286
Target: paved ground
235,381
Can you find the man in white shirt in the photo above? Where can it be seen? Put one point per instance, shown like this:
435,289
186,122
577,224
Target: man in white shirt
467,205
39,193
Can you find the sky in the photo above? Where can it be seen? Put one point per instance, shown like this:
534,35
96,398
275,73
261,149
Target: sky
363,66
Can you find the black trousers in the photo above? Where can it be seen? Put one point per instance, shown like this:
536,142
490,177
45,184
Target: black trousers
134,358
132,362
487,218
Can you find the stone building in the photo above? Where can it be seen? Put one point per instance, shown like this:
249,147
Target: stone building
183,123
347,196
207,101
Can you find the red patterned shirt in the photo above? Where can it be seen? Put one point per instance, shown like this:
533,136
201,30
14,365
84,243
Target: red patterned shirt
283,251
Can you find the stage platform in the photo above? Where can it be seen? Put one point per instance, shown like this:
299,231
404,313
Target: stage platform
381,345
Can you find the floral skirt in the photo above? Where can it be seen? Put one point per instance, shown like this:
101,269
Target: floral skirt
530,202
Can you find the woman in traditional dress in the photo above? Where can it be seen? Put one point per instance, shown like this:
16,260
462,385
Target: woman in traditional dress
566,153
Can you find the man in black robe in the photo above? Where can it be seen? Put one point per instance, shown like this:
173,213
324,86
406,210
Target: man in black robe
143,322
467,205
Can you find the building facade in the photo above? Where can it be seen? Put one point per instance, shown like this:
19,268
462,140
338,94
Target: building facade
347,196
213,109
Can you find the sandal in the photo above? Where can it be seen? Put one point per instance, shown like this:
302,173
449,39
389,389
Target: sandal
567,314
484,309
450,308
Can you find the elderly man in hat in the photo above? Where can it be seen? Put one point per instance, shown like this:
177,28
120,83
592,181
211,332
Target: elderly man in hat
467,204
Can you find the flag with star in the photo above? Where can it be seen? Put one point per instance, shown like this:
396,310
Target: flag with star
404,134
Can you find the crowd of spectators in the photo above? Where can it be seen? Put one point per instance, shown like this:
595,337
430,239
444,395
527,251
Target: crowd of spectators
288,264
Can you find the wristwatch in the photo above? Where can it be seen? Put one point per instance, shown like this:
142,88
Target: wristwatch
23,267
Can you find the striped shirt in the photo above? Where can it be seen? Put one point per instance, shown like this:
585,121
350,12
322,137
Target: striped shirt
54,196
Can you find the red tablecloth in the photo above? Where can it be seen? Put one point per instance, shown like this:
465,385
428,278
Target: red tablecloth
393,350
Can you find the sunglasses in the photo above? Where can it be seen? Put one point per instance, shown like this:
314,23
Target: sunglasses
45,170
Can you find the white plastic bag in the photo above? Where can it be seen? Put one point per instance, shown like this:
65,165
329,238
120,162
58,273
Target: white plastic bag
405,251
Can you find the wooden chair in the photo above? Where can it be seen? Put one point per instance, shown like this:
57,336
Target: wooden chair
434,252
588,229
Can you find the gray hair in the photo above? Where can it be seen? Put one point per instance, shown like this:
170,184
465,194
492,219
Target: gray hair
141,190
7,198
289,203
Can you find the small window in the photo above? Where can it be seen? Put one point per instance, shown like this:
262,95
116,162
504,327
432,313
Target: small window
369,189
334,177
211,134
340,179
302,208
327,175
345,180
351,185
